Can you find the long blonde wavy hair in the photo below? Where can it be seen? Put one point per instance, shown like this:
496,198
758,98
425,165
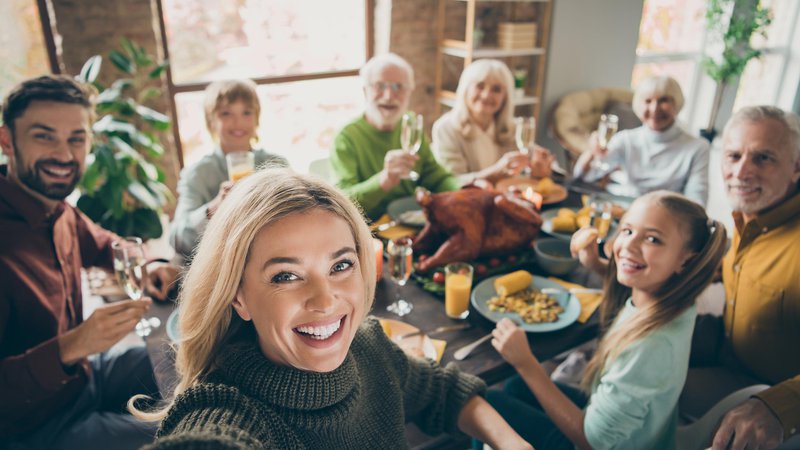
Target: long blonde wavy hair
207,321
504,118
705,239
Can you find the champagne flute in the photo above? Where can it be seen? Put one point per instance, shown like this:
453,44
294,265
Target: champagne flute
411,137
129,265
608,126
400,267
525,134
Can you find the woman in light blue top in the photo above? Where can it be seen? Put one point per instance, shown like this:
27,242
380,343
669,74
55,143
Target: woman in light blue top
658,154
232,110
664,255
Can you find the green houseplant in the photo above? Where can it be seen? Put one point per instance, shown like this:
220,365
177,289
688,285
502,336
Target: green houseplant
123,188
731,25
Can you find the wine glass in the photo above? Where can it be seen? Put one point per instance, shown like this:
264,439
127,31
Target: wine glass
608,126
411,137
525,134
400,267
129,265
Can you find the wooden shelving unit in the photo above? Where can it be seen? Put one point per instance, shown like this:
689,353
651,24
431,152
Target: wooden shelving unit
532,58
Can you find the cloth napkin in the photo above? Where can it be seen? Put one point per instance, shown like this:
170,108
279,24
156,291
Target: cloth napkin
589,302
439,345
394,232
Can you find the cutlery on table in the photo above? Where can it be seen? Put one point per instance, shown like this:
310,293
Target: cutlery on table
385,226
441,329
556,167
464,351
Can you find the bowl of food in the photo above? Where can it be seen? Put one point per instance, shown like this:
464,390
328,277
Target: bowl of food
553,256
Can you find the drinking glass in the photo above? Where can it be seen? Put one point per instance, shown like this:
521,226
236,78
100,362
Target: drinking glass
129,265
608,126
240,165
411,137
525,134
600,218
400,268
457,287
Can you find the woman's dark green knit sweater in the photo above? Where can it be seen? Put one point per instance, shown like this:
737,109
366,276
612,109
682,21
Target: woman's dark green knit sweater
364,404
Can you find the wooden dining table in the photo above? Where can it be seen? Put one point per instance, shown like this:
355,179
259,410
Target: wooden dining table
428,313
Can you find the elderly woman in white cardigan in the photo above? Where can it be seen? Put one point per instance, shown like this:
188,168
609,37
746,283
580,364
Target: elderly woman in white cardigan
476,138
658,154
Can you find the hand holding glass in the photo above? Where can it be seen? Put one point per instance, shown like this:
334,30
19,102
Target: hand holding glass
606,128
129,266
400,267
411,137
240,165
525,134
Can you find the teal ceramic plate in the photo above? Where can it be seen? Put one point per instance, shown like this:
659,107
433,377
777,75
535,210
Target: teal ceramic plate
407,211
547,224
172,327
485,291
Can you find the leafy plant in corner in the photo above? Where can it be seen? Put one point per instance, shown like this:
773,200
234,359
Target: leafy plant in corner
123,188
731,25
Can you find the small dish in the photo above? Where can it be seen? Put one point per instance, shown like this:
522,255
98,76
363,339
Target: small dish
407,212
558,193
172,327
553,255
572,307
420,345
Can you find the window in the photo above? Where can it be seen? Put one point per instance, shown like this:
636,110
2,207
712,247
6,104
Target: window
22,45
303,54
671,42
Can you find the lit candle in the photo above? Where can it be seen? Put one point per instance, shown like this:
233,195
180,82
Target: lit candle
533,197
378,245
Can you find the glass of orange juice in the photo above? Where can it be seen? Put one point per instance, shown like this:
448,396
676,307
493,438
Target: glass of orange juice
457,287
240,165
378,245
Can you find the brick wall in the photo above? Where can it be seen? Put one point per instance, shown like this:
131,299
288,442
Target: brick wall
89,27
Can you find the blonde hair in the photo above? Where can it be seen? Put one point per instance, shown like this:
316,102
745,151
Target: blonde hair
657,85
226,92
504,118
705,239
207,321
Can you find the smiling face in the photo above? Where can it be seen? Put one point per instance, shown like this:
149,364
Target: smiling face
235,123
658,111
485,98
649,248
47,151
303,289
759,167
388,93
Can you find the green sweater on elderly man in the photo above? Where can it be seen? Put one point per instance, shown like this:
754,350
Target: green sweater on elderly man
250,402
357,160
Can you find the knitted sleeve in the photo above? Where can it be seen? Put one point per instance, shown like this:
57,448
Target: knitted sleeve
216,416
432,395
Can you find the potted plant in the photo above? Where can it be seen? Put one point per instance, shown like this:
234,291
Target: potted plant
123,188
731,24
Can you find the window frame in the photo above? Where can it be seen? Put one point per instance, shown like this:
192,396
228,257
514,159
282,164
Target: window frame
174,89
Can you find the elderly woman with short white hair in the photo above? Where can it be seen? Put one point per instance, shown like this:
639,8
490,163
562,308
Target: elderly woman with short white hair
476,138
657,155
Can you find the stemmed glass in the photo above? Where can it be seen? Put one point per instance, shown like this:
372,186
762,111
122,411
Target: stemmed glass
608,126
525,135
129,265
411,137
400,267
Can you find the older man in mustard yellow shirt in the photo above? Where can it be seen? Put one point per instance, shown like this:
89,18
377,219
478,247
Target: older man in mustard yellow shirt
761,275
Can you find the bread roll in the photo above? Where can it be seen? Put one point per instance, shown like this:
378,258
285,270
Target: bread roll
564,224
512,282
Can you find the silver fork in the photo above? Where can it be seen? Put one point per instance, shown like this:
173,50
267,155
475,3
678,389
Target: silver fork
464,351
441,329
